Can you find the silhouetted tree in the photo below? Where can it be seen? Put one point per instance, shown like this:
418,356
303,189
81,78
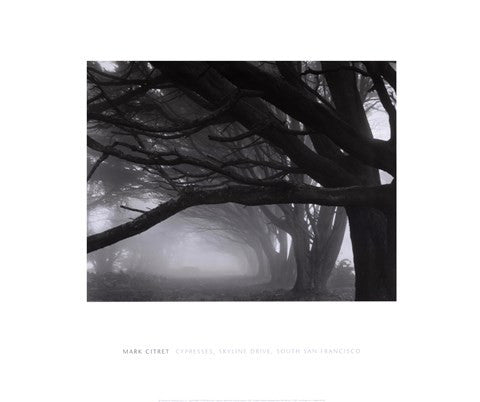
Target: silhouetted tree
219,132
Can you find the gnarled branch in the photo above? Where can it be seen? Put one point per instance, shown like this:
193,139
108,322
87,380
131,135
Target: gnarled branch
283,193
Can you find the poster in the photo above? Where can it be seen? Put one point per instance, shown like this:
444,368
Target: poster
412,341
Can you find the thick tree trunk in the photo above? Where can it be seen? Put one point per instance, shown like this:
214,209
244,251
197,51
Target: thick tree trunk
320,247
372,232
375,270
391,272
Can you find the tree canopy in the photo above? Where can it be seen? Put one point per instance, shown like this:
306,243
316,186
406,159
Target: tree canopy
289,137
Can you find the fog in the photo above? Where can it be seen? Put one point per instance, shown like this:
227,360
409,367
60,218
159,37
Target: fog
188,251
185,252
183,256
209,252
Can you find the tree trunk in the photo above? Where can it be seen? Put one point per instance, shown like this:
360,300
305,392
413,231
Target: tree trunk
391,271
300,249
320,248
263,274
372,232
278,267
290,270
332,249
375,268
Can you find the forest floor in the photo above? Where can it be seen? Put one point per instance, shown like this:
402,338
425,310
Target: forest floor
145,287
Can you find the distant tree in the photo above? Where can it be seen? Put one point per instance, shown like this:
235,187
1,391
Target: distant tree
342,279
249,226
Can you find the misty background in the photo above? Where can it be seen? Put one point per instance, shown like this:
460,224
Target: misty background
198,251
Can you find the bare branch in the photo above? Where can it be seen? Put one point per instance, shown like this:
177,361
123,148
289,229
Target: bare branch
245,195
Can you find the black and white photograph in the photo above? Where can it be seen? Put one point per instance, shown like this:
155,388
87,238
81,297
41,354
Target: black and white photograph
241,181
207,201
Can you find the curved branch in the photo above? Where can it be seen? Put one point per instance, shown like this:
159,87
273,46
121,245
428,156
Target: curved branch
157,159
283,193
333,70
292,101
253,113
126,96
96,165
195,124
384,97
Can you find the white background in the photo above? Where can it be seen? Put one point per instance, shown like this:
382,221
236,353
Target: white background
57,347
